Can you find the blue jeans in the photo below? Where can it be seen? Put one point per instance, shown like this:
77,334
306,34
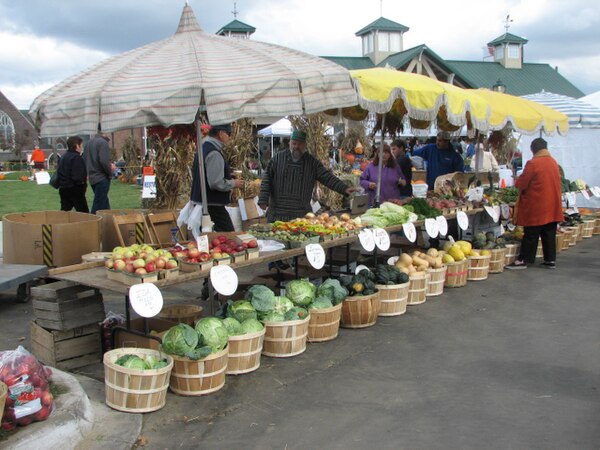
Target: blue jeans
100,196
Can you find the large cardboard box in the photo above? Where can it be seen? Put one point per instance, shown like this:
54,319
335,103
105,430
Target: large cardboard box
54,238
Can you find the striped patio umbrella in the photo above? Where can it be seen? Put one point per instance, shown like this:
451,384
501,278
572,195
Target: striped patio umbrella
168,81
580,113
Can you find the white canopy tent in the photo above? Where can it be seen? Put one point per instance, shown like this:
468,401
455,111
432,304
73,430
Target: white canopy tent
592,99
578,153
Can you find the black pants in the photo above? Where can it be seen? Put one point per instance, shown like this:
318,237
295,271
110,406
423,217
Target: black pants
530,241
73,197
221,218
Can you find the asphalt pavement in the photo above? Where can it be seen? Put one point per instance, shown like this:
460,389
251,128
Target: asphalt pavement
511,362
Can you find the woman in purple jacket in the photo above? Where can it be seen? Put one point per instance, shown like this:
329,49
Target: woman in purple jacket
391,178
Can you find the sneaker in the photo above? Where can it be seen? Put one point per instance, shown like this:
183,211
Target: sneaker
517,265
549,264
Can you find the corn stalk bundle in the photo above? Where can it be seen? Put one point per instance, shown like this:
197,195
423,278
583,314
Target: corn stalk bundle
317,144
238,151
175,150
503,145
131,156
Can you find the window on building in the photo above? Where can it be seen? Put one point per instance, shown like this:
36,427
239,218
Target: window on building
365,45
395,42
370,43
7,131
499,52
514,51
383,41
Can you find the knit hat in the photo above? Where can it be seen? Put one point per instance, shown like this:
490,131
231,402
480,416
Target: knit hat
298,135
224,127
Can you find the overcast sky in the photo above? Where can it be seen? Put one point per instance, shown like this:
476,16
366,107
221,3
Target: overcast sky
43,42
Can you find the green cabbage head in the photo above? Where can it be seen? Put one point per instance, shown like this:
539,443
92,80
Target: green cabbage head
180,340
251,326
212,333
300,292
234,328
241,310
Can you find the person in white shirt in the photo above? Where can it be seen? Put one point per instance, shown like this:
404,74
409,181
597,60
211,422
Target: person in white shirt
484,160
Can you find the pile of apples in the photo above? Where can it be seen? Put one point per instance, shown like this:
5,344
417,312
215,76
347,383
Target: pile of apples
29,398
140,259
221,246
190,253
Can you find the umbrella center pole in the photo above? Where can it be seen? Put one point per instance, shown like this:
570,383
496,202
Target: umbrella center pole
380,164
206,221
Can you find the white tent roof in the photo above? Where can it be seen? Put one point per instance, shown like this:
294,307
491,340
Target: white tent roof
581,114
282,127
592,99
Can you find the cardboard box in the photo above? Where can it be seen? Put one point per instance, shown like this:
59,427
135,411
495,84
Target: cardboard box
155,326
109,235
54,238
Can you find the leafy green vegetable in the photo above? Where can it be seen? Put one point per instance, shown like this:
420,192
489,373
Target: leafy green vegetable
296,313
212,333
123,359
135,362
241,310
273,317
387,214
233,327
180,340
251,326
261,297
301,292
332,289
422,209
283,304
321,302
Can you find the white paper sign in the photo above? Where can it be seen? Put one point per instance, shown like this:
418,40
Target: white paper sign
596,191
366,239
202,243
146,299
505,211
149,186
431,227
224,279
463,220
492,213
585,194
360,267
501,229
410,231
392,260
42,177
475,194
497,211
315,255
442,225
382,239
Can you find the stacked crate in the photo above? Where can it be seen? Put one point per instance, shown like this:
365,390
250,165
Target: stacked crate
66,332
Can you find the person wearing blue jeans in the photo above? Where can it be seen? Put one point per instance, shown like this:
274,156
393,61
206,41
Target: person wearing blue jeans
99,169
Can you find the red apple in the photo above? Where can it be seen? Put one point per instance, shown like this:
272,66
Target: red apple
193,252
215,242
150,267
203,257
119,264
129,268
239,248
222,238
160,262
171,264
216,249
252,243
141,271
46,398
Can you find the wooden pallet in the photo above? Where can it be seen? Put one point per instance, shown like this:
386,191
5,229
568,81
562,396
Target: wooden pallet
66,350
65,305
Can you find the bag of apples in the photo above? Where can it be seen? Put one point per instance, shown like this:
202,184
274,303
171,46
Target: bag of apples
28,398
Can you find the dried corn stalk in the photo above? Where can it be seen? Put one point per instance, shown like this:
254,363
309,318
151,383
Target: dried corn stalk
239,149
317,144
131,154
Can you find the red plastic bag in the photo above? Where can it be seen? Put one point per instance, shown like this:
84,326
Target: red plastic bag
29,398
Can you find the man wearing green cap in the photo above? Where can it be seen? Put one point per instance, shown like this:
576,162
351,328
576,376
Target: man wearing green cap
289,179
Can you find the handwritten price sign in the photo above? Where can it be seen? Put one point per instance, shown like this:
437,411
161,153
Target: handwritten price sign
382,239
410,231
463,220
146,299
315,255
224,279
442,225
366,240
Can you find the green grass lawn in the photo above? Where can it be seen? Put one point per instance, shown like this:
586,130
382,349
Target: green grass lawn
22,196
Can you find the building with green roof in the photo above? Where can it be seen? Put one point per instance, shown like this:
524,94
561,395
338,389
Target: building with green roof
382,46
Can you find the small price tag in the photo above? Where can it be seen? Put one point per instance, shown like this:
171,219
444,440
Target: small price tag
315,255
463,220
410,231
42,177
146,299
224,279
202,243
360,267
431,227
585,194
492,213
505,211
382,239
366,240
442,225
510,226
392,260
501,229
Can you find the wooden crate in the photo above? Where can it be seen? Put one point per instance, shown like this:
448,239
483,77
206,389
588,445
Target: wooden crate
66,350
65,305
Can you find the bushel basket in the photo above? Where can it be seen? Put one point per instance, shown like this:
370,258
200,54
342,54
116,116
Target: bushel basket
324,324
360,311
135,390
285,339
244,352
200,377
393,299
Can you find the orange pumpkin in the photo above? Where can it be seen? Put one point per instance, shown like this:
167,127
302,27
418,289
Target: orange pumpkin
2,176
350,158
24,178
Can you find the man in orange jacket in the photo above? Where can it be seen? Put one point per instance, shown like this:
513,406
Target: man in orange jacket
38,158
539,206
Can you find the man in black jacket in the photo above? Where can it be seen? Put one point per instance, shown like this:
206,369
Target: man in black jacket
72,177
398,148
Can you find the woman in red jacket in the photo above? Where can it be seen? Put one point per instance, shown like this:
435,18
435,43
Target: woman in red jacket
539,206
